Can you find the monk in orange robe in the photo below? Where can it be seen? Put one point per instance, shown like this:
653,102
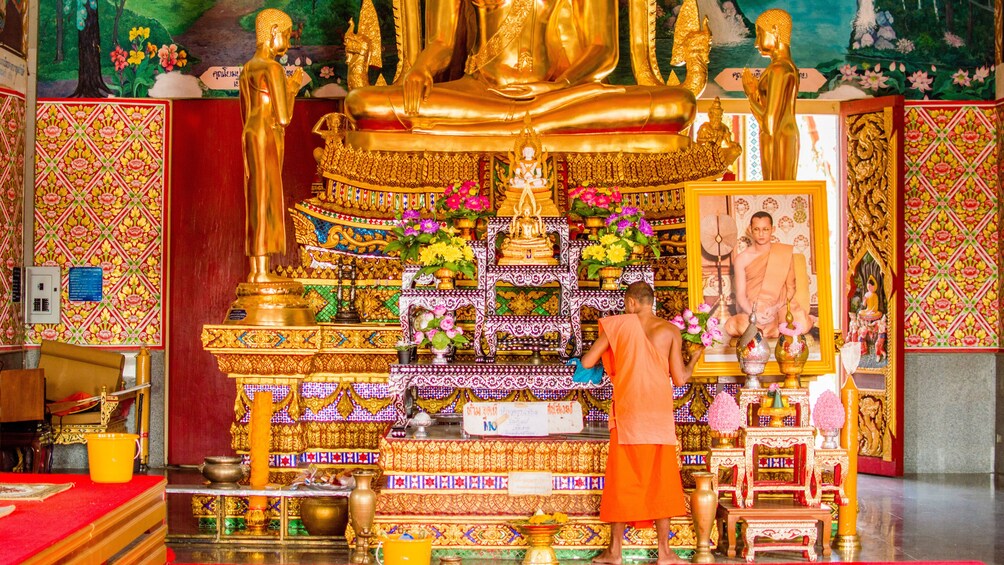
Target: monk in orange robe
765,279
643,355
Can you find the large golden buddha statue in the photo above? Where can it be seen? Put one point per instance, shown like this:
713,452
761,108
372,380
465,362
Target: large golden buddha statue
545,59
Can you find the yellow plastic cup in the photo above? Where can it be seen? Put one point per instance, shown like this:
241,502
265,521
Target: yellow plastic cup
397,551
110,456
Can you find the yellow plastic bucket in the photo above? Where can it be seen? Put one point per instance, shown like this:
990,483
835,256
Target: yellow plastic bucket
110,456
397,551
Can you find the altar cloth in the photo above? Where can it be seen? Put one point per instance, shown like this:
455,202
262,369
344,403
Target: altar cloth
87,521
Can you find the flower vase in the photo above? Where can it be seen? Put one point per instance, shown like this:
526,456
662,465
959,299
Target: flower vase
441,356
752,353
445,277
539,538
831,439
466,228
703,505
610,278
791,354
593,223
362,509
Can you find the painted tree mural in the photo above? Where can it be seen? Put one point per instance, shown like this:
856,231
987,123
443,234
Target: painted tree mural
89,81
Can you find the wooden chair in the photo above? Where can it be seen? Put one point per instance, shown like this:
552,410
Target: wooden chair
103,405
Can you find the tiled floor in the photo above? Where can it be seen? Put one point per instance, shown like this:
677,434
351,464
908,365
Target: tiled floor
925,517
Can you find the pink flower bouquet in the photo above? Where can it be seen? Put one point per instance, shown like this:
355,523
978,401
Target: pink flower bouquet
463,200
724,415
438,329
698,327
588,200
828,413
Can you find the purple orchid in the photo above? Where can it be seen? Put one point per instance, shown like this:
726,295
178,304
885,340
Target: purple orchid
429,226
645,228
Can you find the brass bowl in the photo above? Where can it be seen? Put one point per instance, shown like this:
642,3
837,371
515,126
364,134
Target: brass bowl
223,471
325,515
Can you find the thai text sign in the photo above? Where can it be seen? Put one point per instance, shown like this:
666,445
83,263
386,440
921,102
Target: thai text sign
523,419
809,79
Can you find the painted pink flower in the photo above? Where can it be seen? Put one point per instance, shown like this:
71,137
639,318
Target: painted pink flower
981,74
327,72
961,78
168,56
119,58
849,72
954,40
873,80
920,81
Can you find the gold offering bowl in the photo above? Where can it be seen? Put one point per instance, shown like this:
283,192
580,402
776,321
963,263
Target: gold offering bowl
538,539
777,415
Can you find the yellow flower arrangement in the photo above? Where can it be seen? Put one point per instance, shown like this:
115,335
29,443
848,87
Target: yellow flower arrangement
447,252
611,250
556,518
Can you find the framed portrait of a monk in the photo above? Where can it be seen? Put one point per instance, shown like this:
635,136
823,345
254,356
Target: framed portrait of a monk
760,251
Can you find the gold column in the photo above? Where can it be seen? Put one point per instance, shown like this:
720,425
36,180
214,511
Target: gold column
847,540
143,378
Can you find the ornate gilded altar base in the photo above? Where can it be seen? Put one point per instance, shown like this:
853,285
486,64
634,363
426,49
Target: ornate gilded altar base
457,490
329,383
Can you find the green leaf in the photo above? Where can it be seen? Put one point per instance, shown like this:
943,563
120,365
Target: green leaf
440,340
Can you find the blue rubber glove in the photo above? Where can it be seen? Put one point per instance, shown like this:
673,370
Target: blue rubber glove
584,375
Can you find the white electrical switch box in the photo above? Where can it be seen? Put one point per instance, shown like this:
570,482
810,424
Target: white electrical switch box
42,295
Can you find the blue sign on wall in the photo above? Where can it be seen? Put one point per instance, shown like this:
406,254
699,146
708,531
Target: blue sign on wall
86,284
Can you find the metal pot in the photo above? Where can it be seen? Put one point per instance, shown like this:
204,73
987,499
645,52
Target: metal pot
325,515
223,471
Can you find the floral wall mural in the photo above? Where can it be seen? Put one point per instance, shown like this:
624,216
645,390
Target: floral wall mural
12,122
950,211
935,49
100,192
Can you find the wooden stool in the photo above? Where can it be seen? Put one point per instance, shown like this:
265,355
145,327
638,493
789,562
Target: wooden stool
785,535
729,515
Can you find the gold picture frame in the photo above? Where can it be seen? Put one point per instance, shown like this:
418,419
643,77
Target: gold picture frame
718,217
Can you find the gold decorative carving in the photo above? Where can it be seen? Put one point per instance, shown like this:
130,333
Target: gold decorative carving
487,504
875,437
870,179
343,436
872,209
493,456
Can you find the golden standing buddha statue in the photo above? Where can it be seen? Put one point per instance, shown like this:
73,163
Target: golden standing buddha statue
547,60
266,97
772,97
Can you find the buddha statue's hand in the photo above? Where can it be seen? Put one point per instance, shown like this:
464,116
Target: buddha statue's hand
294,81
416,88
749,82
529,90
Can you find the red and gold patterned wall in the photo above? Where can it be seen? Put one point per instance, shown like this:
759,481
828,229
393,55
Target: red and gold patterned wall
100,193
12,123
950,209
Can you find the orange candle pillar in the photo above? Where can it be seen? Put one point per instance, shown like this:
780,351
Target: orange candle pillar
261,442
847,540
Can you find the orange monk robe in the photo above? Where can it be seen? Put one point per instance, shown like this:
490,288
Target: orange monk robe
642,481
771,280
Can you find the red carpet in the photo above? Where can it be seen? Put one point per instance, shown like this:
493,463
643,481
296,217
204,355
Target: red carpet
35,526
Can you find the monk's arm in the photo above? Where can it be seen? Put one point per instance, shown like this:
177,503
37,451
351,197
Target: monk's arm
739,284
678,371
595,353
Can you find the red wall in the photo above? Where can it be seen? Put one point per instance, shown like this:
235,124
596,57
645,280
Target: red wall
206,257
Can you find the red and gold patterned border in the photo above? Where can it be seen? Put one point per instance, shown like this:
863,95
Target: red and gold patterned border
12,125
100,195
950,213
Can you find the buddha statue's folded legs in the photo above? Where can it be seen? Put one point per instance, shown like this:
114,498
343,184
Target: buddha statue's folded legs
469,107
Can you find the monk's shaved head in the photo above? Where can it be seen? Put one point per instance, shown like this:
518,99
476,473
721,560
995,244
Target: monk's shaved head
640,291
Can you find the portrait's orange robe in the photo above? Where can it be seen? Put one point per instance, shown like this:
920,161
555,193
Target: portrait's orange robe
642,481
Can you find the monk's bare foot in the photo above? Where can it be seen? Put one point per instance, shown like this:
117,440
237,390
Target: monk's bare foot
606,558
672,557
